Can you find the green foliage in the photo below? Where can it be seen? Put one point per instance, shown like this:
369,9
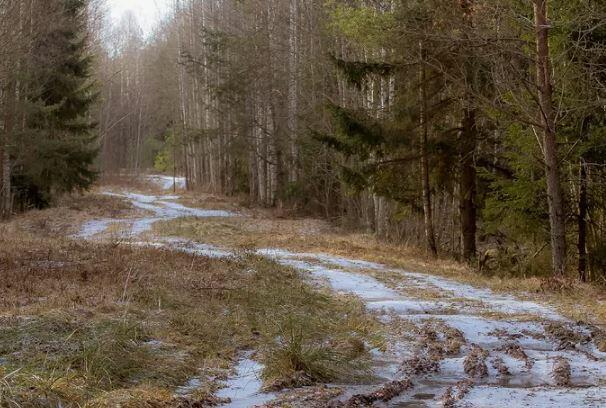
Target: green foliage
517,206
355,134
57,149
361,140
164,160
357,72
361,24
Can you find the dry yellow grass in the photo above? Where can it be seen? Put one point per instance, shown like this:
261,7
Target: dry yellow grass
208,201
69,214
578,301
100,324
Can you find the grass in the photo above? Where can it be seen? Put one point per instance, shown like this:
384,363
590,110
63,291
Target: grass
105,324
584,302
108,324
295,358
69,213
118,181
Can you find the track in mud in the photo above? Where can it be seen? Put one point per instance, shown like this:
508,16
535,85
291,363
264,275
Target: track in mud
456,344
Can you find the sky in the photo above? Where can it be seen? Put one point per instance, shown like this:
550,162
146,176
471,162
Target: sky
148,12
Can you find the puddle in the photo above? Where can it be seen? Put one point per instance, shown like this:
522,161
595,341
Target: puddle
422,396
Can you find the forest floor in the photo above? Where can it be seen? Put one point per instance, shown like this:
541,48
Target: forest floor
133,296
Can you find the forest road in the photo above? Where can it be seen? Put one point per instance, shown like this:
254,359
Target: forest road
447,343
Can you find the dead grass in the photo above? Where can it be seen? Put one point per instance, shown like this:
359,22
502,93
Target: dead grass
95,325
69,214
578,301
207,201
127,182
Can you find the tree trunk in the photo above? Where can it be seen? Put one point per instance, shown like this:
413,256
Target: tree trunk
582,222
424,162
138,147
6,195
6,190
275,158
293,90
467,184
547,116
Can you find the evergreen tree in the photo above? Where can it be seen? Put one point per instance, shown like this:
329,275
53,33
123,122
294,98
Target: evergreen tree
59,137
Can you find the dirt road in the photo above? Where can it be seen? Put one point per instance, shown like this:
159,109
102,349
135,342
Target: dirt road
448,344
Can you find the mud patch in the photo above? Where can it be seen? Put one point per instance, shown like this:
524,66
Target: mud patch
386,393
561,372
514,350
499,365
475,362
456,393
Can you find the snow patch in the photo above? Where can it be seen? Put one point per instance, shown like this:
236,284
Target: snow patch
94,227
244,389
166,182
498,303
538,397
161,207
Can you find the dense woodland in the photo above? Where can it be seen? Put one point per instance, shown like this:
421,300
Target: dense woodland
471,128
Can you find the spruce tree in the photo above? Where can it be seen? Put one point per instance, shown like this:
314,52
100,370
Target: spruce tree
59,138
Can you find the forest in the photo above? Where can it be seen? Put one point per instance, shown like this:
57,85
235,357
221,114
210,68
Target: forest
458,126
472,128
465,138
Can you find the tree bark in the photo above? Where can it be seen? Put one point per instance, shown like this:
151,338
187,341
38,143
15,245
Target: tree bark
6,194
550,151
293,90
6,190
467,184
582,222
424,161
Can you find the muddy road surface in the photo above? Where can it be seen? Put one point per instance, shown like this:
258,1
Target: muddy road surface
447,344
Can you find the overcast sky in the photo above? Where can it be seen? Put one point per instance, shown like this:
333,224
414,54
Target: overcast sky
148,12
